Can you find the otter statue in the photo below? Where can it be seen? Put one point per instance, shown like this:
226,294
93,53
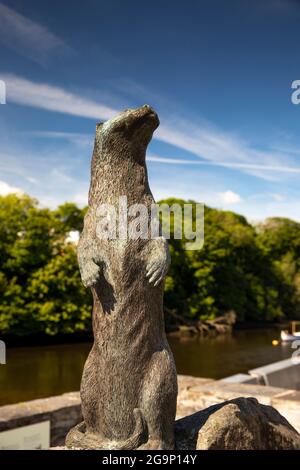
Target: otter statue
129,382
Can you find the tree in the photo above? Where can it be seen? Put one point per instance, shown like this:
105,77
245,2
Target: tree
279,240
58,301
236,270
40,286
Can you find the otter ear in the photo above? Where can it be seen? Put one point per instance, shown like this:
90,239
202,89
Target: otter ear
98,128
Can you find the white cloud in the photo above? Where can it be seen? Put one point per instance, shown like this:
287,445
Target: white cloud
28,38
229,197
243,166
78,138
174,161
51,98
6,188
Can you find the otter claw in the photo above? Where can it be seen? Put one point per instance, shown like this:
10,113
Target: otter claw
155,276
158,281
151,271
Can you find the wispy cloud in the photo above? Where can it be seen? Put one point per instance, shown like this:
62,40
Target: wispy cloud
79,138
28,38
243,166
226,150
287,149
208,143
175,161
51,98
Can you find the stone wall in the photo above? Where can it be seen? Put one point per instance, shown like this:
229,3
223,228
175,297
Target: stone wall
62,411
195,393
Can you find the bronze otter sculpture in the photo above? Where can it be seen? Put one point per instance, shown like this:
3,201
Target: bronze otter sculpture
129,382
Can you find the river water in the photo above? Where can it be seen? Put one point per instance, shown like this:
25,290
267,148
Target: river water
42,371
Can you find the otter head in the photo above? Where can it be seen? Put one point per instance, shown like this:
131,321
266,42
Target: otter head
128,133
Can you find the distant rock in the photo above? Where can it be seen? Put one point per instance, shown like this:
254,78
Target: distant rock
239,424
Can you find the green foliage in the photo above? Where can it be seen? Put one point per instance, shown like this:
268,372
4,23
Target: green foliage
70,217
278,238
40,287
254,271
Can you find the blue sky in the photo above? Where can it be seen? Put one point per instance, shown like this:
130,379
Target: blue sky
218,73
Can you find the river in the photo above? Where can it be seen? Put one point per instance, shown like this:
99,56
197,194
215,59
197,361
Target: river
42,371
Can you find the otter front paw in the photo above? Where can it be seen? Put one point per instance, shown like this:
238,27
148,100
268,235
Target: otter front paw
90,274
156,270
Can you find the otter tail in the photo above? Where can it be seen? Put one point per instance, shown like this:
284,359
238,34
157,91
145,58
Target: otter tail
79,438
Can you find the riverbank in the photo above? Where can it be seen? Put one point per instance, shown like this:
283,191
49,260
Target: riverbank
75,338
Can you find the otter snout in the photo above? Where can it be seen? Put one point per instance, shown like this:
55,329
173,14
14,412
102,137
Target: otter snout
146,113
